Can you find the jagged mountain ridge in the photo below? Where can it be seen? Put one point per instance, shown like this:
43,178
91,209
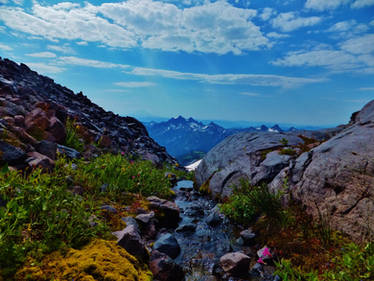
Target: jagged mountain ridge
22,91
183,136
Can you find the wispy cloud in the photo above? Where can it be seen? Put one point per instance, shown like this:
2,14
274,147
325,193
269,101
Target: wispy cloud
291,21
135,84
89,62
269,80
45,68
250,94
366,89
65,49
42,55
5,47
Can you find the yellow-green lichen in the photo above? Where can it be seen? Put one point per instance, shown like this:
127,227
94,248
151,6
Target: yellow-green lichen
100,260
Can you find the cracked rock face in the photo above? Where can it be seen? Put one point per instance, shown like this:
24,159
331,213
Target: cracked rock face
245,155
337,180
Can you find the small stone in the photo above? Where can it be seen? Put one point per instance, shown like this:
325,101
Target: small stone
188,227
235,263
164,268
104,187
109,209
145,218
248,236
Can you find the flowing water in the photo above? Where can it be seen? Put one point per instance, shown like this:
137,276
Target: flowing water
201,248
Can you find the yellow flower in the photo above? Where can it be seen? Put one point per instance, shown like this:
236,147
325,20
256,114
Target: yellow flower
29,227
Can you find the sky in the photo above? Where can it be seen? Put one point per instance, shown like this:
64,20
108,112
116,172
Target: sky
308,62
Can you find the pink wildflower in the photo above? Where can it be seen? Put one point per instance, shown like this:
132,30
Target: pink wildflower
133,177
266,253
260,261
122,153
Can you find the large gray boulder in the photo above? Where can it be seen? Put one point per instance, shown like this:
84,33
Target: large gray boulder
252,156
336,179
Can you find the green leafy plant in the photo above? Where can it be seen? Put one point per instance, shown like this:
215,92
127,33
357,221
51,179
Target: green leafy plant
248,202
73,139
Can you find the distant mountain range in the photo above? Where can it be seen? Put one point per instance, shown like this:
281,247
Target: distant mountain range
188,139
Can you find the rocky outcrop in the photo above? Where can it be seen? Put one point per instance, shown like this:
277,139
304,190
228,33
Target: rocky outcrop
244,155
34,109
331,172
336,179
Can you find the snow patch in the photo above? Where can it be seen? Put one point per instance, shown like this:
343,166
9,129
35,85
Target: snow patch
193,166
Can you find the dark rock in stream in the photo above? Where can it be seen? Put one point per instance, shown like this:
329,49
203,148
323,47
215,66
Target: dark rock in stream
237,264
167,244
164,268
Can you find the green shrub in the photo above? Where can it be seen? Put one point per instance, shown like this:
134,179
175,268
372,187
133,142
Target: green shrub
73,139
121,175
40,216
248,202
288,151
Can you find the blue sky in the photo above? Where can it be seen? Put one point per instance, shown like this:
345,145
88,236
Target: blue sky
302,62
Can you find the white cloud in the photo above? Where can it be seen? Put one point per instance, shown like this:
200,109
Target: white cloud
89,63
348,28
269,80
5,47
216,27
42,55
277,35
250,94
366,89
331,59
267,13
44,68
63,49
82,43
322,5
135,84
354,55
291,21
3,1
362,3
372,22
359,45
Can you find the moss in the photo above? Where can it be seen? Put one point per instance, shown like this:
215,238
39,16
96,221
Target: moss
288,151
100,260
204,188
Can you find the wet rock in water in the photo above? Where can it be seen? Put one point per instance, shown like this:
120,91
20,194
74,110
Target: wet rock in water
186,228
194,211
168,212
167,244
214,219
237,264
68,151
47,148
256,270
109,208
164,268
129,239
248,236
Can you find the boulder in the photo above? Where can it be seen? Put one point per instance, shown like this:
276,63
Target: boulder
11,154
129,239
167,212
248,236
47,148
164,268
237,263
244,155
37,160
68,151
167,244
186,228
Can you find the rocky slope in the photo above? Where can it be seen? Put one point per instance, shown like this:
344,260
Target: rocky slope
34,111
330,172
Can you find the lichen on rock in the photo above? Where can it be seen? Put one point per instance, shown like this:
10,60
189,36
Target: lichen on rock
100,260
